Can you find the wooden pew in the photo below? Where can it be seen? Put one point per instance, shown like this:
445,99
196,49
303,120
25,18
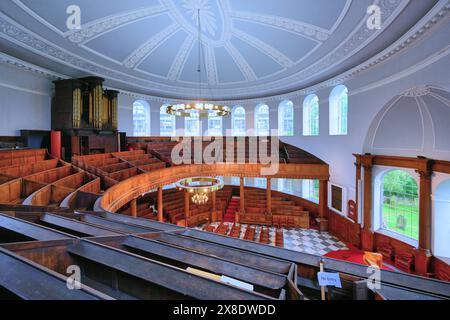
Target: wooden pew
215,265
22,279
15,230
231,254
147,279
75,227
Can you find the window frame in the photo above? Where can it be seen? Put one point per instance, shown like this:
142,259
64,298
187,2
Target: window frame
379,172
282,118
338,112
257,119
168,116
146,130
197,119
212,130
308,116
234,131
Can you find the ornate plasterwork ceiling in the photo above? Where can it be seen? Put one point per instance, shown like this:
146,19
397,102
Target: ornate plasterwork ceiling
251,48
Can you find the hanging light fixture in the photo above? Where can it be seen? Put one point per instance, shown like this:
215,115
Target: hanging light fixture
204,109
200,187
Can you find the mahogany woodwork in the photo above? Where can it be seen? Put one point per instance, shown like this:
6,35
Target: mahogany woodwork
345,229
160,204
420,260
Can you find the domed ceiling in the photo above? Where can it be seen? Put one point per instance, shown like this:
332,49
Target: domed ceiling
251,48
413,123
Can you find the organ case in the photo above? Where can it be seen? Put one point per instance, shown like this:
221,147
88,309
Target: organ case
86,114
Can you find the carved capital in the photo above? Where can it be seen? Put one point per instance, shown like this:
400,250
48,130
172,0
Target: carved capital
424,174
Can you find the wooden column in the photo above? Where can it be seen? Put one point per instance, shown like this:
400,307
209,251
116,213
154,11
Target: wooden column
214,208
242,200
186,207
423,254
160,204
357,178
366,233
269,196
323,205
133,208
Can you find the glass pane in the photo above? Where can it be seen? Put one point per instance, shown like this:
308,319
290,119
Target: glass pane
166,123
192,124
214,125
400,204
262,121
238,121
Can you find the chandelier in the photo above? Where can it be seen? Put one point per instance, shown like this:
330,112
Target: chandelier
200,198
204,110
200,187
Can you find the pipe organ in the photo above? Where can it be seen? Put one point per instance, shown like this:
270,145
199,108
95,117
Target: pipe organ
86,114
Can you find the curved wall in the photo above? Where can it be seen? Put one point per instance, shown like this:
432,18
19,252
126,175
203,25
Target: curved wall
426,62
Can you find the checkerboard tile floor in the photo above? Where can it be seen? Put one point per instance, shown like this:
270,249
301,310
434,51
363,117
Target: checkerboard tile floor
302,240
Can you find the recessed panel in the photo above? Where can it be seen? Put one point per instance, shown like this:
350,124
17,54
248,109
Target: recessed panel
55,11
321,13
131,37
401,127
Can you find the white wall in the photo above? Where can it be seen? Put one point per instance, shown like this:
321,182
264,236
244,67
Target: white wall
365,101
25,101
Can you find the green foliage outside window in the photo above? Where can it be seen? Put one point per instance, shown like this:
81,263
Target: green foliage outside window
400,204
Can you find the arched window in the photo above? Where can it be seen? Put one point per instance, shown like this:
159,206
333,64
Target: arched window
141,119
286,186
441,220
214,125
338,110
400,204
235,181
192,124
286,119
167,124
260,183
262,122
310,190
311,115
238,124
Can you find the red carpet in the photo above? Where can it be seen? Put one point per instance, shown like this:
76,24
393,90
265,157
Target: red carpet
233,206
354,256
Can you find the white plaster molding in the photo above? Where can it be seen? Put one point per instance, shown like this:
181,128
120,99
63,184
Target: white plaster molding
240,61
19,88
265,48
139,55
294,26
180,60
101,26
438,14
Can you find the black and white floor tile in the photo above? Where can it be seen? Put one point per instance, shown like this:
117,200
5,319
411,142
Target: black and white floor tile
302,240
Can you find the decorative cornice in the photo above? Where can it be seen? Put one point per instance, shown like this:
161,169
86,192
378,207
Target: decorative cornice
294,26
422,28
265,48
180,59
243,65
7,59
101,26
136,57
230,89
417,92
